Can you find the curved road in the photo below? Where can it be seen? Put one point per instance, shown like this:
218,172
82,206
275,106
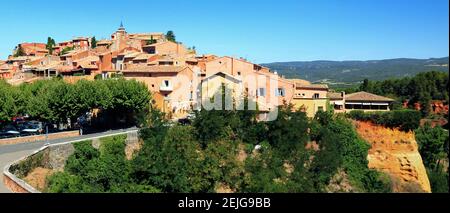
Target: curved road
10,153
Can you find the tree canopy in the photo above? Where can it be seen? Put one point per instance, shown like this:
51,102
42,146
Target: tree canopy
57,101
93,42
19,51
212,156
50,44
170,36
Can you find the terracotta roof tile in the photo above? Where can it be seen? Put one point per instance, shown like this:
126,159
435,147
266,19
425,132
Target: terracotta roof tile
335,96
365,96
143,56
145,68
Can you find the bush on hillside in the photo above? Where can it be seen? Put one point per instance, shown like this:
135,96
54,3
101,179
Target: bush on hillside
406,120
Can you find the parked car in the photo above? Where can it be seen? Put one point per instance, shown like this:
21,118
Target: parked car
9,131
31,129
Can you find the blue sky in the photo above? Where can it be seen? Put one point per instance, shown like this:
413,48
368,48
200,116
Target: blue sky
261,31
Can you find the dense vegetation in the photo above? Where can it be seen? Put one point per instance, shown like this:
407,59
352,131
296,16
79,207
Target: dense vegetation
356,71
422,88
170,36
55,101
406,120
218,153
433,147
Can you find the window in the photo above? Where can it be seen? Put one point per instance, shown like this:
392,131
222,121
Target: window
239,73
316,95
320,108
120,66
261,92
280,92
151,50
191,96
166,83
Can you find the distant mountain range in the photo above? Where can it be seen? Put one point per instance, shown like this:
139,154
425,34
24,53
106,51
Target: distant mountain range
351,72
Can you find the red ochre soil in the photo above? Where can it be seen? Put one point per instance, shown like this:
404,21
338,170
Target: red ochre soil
395,153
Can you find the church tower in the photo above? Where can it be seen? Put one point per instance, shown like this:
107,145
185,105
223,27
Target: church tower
119,38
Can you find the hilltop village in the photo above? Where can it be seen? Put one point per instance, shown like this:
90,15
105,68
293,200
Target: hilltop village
172,72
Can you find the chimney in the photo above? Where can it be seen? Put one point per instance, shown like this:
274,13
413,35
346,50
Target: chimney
343,95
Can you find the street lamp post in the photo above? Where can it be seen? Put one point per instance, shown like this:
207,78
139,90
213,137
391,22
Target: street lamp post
46,134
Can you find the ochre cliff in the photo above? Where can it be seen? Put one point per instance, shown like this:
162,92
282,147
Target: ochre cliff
395,153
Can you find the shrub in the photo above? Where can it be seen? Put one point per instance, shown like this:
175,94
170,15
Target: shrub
438,181
98,77
357,115
406,120
24,167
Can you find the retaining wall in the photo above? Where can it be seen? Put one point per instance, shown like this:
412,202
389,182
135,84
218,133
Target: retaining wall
35,138
56,156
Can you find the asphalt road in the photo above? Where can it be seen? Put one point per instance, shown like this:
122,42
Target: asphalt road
10,153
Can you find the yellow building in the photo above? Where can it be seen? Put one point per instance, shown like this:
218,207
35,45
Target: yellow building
310,98
212,86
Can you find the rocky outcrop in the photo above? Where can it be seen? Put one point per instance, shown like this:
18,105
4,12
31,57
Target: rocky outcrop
59,155
133,145
340,183
395,153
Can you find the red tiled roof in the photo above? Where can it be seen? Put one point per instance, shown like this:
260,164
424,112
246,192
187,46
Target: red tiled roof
365,96
145,68
335,96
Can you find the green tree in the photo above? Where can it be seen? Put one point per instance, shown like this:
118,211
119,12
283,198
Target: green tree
289,131
19,51
220,166
266,172
432,145
7,104
151,41
93,42
327,160
170,36
38,106
129,99
174,165
66,50
77,162
63,182
365,85
438,181
50,44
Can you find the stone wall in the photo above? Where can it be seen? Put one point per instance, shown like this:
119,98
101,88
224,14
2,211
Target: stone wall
35,138
58,156
13,185
132,145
